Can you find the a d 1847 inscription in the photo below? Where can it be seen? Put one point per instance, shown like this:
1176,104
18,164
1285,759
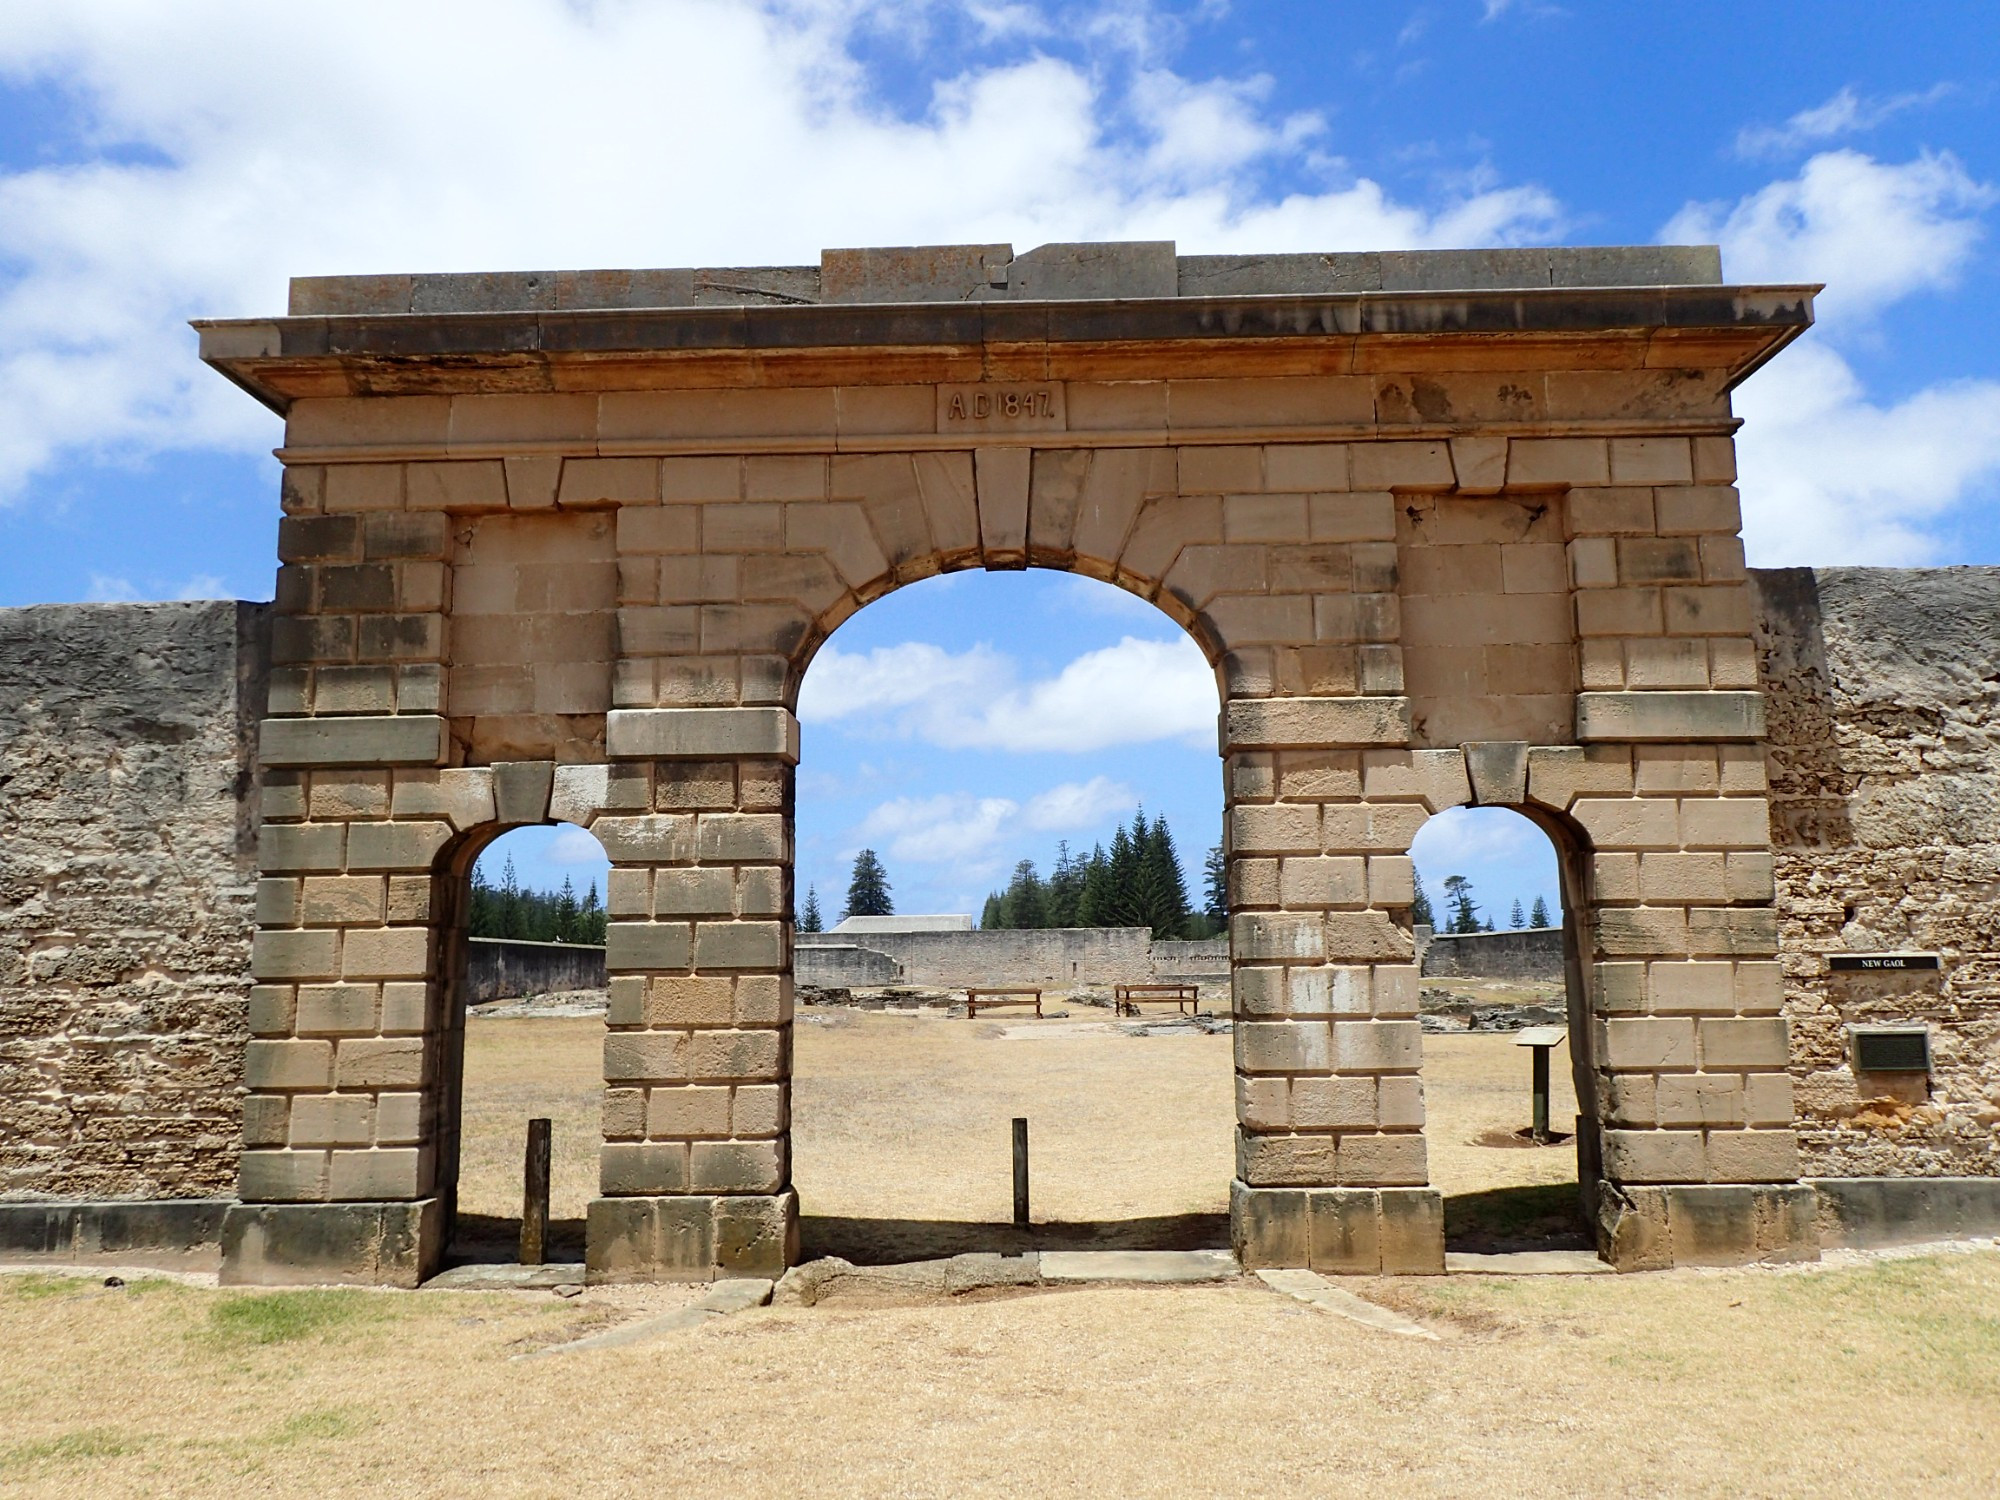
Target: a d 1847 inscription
1001,408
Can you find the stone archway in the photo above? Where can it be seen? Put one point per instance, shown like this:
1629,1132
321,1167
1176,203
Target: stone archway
1436,541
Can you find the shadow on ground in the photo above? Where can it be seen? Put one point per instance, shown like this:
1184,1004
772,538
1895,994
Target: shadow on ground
486,1240
1503,1220
879,1242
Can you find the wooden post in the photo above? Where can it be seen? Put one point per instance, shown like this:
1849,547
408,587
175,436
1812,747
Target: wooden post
1542,1092
535,1196
1020,1173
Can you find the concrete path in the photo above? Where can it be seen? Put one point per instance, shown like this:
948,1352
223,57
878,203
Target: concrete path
1312,1288
1527,1263
722,1299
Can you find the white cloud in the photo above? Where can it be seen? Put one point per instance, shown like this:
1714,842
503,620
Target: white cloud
957,827
227,147
1846,113
107,589
1077,804
1462,836
1829,476
1132,693
1873,232
573,846
1828,473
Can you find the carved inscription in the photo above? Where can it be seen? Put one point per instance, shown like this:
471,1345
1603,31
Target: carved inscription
1001,408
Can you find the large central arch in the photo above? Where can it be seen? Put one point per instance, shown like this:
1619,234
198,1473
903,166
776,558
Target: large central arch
569,561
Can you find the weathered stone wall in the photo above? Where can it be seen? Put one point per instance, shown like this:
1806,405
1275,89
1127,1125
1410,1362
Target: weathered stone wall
503,968
1041,955
127,866
1883,693
1534,953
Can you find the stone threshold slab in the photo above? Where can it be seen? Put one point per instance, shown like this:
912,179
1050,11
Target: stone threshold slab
1527,1263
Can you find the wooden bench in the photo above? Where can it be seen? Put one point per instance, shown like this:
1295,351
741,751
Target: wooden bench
1004,995
1126,998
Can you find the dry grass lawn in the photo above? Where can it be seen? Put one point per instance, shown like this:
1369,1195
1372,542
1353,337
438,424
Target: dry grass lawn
905,1116
1873,1376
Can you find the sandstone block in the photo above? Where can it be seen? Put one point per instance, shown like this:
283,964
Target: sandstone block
1333,1103
693,892
647,945
1401,466
1479,464
1694,986
1391,880
739,945
1654,1156
1698,1099
646,1056
695,1110
380,740
1436,777
701,733
269,1065
1543,462
747,1056
396,1174
334,1009
406,1005
395,846
1647,1044
1629,822
1614,877
1760,1043
1726,822
385,953
1287,1160
1328,990
1377,1046
1255,936
1258,723
1687,878
394,1063
1305,467
293,954
1659,460
650,838
746,837
1558,774
641,1168
283,1177
271,1009
1670,716
1767,1099
579,793
1753,1156
1383,1160
1263,1103
1320,881
1281,827
1283,1047
737,1166
285,847
463,797
1345,1233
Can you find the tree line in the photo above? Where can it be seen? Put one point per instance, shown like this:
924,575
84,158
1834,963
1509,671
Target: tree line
1461,912
506,910
1137,882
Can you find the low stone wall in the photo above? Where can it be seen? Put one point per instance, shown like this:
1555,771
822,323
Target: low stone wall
843,966
128,831
1204,958
1528,953
505,968
1882,691
1055,956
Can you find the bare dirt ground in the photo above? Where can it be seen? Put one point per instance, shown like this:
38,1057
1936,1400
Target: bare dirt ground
1864,1375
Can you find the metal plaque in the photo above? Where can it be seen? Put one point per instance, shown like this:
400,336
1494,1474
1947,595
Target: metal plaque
1890,1049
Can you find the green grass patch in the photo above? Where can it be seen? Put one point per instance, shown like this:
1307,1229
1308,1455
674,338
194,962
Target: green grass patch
252,1319
72,1447
324,1425
35,1286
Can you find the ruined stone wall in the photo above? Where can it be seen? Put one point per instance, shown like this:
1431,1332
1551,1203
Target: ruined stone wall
1041,955
127,867
1883,694
1534,953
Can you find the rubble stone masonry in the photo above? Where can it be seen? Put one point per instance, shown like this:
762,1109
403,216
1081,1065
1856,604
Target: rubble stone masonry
127,861
1883,688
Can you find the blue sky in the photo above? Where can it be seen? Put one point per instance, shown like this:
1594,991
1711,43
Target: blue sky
163,162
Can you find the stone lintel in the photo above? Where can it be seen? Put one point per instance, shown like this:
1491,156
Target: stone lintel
700,733
1668,716
372,740
1314,723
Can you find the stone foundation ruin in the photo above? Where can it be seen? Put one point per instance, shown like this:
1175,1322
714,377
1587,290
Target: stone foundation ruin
1453,528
